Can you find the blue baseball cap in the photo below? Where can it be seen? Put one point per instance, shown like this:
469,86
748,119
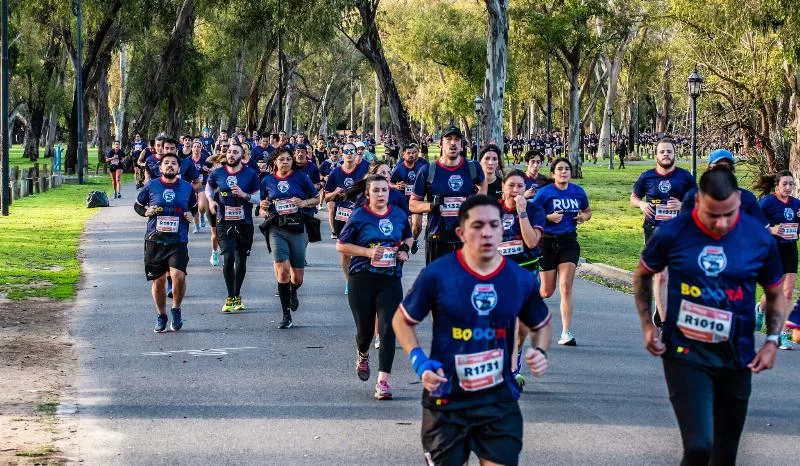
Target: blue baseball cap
720,154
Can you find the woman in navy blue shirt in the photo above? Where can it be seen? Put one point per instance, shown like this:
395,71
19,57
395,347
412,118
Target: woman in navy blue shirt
566,206
377,238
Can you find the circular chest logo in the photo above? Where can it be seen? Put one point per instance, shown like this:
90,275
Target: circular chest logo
283,186
386,227
455,182
169,195
712,260
664,186
788,213
508,221
348,182
412,175
231,181
484,298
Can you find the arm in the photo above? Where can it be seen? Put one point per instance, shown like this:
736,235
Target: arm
418,206
643,296
774,317
407,337
355,250
585,215
645,207
536,355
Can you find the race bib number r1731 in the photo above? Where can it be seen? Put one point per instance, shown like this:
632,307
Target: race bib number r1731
704,323
479,371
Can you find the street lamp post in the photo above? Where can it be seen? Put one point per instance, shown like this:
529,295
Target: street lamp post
6,189
607,142
478,104
695,85
76,10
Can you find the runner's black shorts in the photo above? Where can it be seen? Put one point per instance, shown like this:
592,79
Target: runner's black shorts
493,432
648,232
159,258
788,252
233,237
559,249
437,249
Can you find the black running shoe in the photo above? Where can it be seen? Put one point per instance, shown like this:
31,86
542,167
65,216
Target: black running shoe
161,323
294,303
177,322
414,247
287,320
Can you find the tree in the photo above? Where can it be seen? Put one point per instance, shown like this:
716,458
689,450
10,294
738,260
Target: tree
496,61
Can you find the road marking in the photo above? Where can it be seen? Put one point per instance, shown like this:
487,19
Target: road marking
198,352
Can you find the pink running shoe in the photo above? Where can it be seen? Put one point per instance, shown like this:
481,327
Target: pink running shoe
383,391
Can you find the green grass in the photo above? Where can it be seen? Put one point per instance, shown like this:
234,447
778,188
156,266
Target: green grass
16,159
39,241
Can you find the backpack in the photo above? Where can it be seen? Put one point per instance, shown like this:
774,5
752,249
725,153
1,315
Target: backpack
97,199
473,174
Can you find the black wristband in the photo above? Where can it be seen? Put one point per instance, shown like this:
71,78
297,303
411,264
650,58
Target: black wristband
404,248
541,351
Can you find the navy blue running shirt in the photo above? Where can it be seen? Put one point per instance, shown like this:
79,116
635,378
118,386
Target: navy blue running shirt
712,287
474,319
455,185
232,209
656,189
571,201
279,190
369,229
175,198
403,174
340,178
513,246
537,183
749,205
786,215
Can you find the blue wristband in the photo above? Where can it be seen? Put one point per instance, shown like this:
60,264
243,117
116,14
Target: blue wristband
417,359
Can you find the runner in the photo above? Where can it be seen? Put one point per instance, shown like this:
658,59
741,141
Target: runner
200,161
439,190
492,167
475,297
114,158
533,179
715,255
169,205
137,146
378,239
216,161
150,161
232,190
566,206
207,140
304,165
340,208
288,195
403,177
658,194
782,211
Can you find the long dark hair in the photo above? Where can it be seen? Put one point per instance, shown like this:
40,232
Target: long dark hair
766,183
273,159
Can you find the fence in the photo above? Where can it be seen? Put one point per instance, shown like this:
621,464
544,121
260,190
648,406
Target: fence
34,180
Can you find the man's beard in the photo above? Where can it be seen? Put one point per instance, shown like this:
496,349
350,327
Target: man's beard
671,164
169,176
228,163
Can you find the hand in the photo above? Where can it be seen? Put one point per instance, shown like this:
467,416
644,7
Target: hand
674,204
775,230
188,216
765,358
436,203
530,193
297,201
264,204
652,340
401,185
522,204
556,216
647,209
432,380
402,256
150,211
212,207
237,191
580,218
377,253
537,362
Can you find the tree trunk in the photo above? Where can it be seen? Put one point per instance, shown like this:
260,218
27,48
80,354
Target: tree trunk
363,128
236,91
512,117
662,114
253,96
793,79
174,124
119,112
369,44
291,94
604,149
495,82
173,53
352,105
267,118
324,108
376,127
575,120
102,113
52,132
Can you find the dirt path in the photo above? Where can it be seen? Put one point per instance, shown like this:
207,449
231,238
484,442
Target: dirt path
36,369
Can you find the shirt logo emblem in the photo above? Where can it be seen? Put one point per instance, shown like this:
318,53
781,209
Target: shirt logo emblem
788,213
412,175
484,298
664,186
455,182
508,221
386,227
348,182
169,195
283,186
231,181
712,260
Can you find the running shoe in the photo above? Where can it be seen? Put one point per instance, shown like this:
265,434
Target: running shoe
786,342
414,247
230,303
346,290
202,221
196,229
383,391
161,323
567,339
215,257
177,322
333,236
238,305
759,317
362,365
294,303
287,320
520,381
377,342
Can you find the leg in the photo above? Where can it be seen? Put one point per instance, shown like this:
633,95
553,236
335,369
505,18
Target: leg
228,271
691,392
159,291
660,293
548,287
566,278
362,305
416,225
241,270
389,297
178,286
731,395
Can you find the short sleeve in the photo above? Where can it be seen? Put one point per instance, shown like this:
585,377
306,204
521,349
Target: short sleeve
349,233
314,175
584,200
654,255
750,205
308,187
771,273
192,200
264,191
420,182
536,215
479,172
419,300
330,183
406,230
540,199
212,181
638,187
688,201
534,313
143,198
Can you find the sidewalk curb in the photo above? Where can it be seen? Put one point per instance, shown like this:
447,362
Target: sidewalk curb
605,271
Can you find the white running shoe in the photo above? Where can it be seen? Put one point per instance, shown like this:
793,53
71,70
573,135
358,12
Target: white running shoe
196,229
214,257
567,339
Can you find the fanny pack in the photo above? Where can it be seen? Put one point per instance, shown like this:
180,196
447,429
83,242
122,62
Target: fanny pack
292,223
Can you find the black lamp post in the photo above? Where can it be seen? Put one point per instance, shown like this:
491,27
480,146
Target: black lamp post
695,85
478,105
4,183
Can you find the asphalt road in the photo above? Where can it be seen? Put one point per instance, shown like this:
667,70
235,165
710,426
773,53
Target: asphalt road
233,389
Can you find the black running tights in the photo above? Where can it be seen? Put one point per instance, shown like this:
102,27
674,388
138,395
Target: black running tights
711,407
234,269
373,295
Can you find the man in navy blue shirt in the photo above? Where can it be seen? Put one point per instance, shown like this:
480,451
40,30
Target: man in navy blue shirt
715,255
658,193
169,204
310,169
404,175
475,296
454,179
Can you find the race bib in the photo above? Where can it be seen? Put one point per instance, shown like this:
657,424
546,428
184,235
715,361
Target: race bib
233,213
451,205
389,258
285,207
343,214
703,323
409,190
788,231
510,248
167,224
479,371
662,213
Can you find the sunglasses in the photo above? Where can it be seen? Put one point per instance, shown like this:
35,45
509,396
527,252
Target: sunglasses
348,151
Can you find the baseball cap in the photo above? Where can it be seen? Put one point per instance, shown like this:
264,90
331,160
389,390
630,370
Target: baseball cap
491,148
720,154
359,144
300,146
452,130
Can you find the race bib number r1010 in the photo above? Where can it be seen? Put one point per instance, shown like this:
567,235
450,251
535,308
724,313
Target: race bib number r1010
703,323
479,371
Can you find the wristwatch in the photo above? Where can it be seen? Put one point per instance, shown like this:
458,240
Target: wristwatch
523,215
773,339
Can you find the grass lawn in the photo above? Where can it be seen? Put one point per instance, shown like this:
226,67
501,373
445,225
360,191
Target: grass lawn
39,241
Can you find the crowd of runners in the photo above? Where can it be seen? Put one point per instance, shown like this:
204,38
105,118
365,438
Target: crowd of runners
497,241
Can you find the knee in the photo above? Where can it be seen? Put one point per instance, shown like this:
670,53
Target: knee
565,288
546,291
